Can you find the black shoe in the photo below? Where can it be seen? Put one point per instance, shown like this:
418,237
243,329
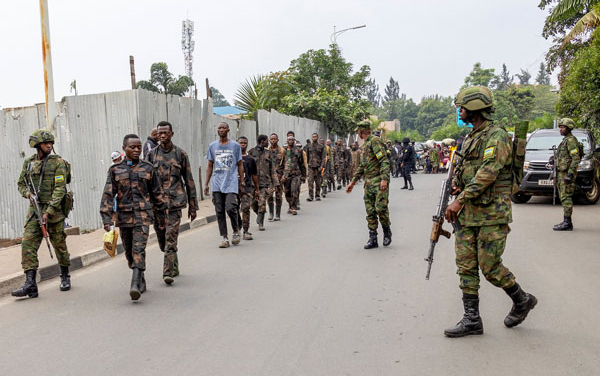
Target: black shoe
134,291
339,187
309,199
271,212
405,187
522,304
471,323
323,193
387,236
411,187
318,198
565,225
65,279
372,242
29,288
277,213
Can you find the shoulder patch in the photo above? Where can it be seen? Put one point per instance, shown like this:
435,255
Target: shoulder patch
574,151
379,155
59,178
489,153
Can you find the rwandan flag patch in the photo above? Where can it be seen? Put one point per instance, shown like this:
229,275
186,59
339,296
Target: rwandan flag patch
573,151
379,155
59,178
489,152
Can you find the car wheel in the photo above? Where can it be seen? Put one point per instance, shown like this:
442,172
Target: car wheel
520,198
592,196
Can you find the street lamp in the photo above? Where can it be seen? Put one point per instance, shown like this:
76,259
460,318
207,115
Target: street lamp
336,33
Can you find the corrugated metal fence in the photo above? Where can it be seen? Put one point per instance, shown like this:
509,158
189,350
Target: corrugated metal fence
90,127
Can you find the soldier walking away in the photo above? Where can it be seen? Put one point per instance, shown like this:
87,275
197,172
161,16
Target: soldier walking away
407,162
138,191
226,170
375,169
276,157
150,143
293,174
339,158
248,188
43,181
483,182
568,156
315,155
328,184
172,165
267,178
355,153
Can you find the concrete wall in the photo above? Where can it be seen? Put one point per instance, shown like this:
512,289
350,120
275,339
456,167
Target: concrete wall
90,127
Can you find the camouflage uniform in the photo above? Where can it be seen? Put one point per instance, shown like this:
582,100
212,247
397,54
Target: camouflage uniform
339,158
246,192
485,178
175,174
52,189
267,177
329,174
294,171
374,167
138,191
315,154
355,161
277,157
567,160
348,169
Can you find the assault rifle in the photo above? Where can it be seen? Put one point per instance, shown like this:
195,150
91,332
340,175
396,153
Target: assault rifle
33,197
554,174
438,219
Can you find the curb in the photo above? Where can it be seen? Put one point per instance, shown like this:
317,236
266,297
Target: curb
16,280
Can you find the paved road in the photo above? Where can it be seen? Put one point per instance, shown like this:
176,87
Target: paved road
304,298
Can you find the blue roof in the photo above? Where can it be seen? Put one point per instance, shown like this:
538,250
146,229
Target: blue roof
227,110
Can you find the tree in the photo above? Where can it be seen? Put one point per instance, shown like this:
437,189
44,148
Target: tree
218,98
543,78
524,77
479,76
163,81
504,79
392,91
372,93
433,111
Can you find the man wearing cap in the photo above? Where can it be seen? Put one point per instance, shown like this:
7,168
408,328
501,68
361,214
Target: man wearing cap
407,160
375,169
568,156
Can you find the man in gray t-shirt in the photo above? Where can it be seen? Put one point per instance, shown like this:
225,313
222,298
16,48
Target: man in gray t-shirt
225,168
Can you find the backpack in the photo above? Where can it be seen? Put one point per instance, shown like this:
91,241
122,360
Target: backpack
68,200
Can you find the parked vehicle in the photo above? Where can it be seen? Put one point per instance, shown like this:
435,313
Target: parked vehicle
538,169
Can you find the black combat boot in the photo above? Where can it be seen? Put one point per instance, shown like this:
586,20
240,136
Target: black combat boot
277,212
372,242
522,303
410,188
143,284
471,322
29,288
260,219
65,279
405,184
387,236
136,278
271,212
565,225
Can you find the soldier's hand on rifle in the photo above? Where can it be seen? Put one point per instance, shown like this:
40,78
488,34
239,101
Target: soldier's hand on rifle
350,187
383,186
452,211
45,218
192,215
455,190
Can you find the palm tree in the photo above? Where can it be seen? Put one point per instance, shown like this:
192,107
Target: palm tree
586,23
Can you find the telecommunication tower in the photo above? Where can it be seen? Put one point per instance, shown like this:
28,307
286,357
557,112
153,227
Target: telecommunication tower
187,46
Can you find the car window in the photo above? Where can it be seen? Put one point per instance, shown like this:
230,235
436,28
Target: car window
546,141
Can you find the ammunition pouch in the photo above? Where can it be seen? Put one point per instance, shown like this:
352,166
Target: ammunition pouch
67,203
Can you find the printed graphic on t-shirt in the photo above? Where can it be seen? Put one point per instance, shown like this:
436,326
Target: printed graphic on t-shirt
223,160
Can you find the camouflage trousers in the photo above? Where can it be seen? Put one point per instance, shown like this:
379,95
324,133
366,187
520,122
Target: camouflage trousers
340,174
329,175
278,194
376,204
314,181
259,205
32,238
167,240
292,191
565,192
482,248
134,242
246,200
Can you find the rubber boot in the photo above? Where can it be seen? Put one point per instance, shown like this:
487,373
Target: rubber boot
65,279
176,266
471,323
134,291
405,184
372,242
277,212
261,221
29,288
271,212
522,304
387,236
565,225
410,188
143,284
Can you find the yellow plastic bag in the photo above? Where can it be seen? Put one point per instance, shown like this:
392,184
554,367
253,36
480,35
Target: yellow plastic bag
110,242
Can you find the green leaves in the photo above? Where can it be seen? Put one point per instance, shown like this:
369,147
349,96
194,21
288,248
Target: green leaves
162,81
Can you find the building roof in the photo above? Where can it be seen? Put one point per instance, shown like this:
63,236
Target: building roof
227,110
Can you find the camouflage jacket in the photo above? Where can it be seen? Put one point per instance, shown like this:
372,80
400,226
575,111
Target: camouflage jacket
484,176
137,189
339,155
567,155
374,165
174,171
293,163
315,153
52,186
277,157
267,176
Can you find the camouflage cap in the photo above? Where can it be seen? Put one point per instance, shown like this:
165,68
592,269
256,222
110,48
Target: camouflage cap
40,135
364,125
567,122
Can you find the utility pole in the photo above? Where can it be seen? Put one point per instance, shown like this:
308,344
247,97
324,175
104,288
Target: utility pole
132,72
336,33
47,57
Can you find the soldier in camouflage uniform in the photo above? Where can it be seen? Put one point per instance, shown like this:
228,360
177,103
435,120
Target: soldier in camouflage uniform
315,155
355,153
340,162
48,172
328,183
483,182
568,156
267,178
137,189
293,174
247,189
172,165
276,157
375,169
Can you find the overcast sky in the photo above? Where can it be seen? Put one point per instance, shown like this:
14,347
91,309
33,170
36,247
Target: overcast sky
429,46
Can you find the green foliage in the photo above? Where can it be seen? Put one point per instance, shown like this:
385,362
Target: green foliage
524,77
546,121
250,96
392,91
433,111
503,80
218,98
450,131
479,76
163,81
543,77
372,92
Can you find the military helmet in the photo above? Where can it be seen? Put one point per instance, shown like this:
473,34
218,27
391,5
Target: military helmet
567,122
474,98
40,135
405,140
365,125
